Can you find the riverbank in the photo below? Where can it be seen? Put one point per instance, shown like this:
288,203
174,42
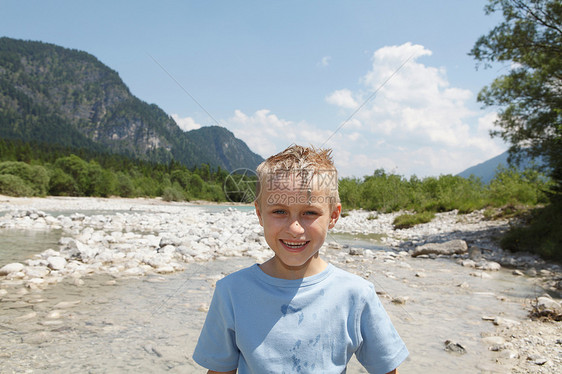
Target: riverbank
451,264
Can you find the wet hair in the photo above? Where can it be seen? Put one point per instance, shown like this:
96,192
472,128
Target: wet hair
302,163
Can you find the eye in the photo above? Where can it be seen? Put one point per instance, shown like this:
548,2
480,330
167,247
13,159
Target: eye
278,211
310,213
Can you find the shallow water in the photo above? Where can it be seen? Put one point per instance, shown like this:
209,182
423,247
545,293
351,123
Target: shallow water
151,324
19,245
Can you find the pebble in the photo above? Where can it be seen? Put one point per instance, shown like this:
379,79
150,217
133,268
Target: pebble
500,321
454,347
400,300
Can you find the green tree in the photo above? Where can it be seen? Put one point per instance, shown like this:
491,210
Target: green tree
529,96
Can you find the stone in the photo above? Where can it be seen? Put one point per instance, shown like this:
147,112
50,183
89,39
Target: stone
468,263
491,266
56,262
400,300
14,267
36,271
500,321
546,303
454,347
356,251
447,248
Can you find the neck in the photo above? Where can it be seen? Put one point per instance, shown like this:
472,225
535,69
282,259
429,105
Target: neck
277,269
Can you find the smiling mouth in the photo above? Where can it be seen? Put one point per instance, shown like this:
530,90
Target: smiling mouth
294,246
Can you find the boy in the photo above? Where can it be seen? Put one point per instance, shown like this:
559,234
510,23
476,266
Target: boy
295,313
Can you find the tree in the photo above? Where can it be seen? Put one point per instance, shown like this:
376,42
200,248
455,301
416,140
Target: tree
529,96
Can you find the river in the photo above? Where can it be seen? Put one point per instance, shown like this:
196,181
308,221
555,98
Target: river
114,324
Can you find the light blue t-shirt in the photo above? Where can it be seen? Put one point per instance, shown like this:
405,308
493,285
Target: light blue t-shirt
261,324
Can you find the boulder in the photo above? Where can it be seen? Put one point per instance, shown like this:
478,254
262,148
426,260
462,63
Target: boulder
14,267
56,262
451,247
545,303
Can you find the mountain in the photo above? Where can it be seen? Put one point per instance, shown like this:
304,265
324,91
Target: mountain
487,169
57,95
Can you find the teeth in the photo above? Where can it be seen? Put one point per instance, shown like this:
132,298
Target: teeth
294,244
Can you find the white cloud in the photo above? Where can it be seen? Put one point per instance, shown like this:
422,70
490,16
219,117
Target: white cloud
342,98
186,123
266,133
416,122
325,61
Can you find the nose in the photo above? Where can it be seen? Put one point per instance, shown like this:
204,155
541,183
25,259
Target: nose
295,228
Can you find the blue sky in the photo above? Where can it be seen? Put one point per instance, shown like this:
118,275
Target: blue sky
282,72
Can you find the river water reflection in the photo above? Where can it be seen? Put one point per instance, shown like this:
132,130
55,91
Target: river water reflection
150,324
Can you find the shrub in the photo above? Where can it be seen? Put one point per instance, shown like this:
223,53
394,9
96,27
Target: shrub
62,184
542,236
34,176
510,186
88,176
124,186
406,221
384,193
173,194
12,185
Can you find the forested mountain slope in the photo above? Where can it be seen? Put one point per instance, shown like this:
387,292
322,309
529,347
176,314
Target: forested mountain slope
58,95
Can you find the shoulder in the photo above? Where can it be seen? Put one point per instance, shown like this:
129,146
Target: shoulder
239,278
350,280
353,286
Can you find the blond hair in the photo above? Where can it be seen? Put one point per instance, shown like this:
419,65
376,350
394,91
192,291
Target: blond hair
304,163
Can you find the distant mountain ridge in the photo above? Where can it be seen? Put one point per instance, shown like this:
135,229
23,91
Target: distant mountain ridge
57,95
487,169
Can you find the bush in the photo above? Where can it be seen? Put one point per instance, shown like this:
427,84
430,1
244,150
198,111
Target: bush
541,236
405,221
62,184
12,185
384,193
510,186
173,194
124,186
35,177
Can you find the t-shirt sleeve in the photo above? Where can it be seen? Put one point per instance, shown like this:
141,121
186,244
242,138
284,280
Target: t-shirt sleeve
382,350
216,348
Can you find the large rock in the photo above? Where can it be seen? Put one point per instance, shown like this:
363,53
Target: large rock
56,262
75,248
545,303
11,268
447,248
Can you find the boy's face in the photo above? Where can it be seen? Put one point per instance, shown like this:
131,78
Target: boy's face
295,222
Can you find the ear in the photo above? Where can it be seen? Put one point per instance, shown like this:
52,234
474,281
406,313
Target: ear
258,212
335,215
